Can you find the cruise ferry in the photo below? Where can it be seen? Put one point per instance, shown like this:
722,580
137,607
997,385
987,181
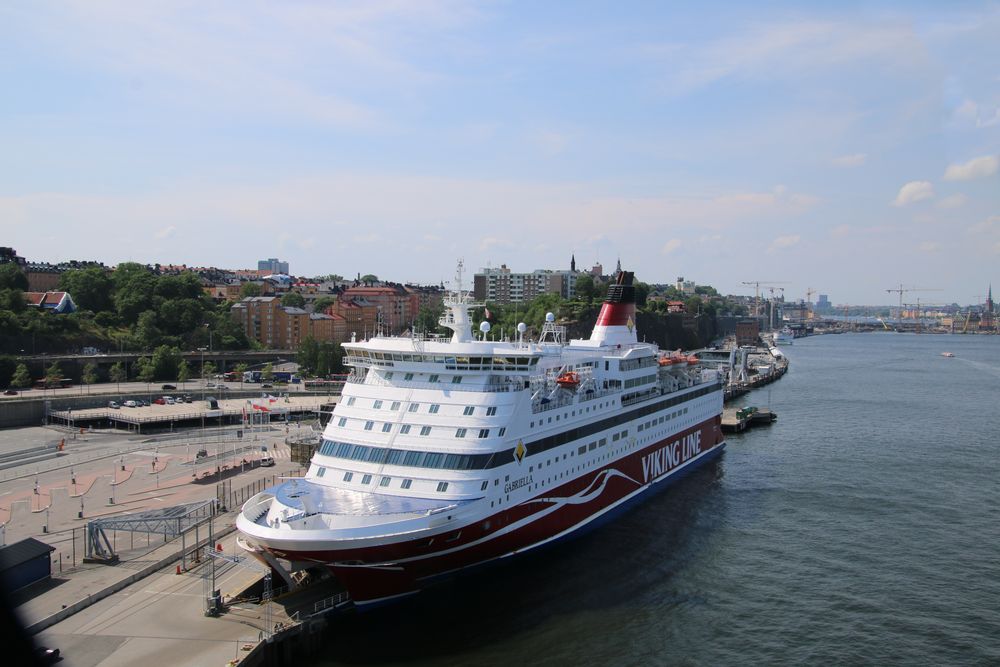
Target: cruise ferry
448,453
783,337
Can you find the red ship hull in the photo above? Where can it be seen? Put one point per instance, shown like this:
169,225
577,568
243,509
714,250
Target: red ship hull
380,573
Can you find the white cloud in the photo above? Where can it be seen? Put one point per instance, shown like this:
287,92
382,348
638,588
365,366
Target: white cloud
979,167
394,212
551,143
854,160
670,246
784,242
953,201
914,191
929,246
770,51
165,232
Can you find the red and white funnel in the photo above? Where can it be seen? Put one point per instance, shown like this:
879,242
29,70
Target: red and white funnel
616,322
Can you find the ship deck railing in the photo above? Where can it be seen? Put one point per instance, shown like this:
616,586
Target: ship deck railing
491,387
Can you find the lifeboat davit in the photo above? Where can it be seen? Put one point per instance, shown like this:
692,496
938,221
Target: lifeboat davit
569,379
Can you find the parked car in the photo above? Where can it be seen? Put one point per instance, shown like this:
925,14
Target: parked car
159,401
47,656
187,398
168,387
170,400
141,403
10,392
114,405
130,404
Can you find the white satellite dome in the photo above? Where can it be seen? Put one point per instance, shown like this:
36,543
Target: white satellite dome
484,327
549,317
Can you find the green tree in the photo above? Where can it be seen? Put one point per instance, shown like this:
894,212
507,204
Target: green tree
12,277
692,305
322,303
147,371
147,332
117,373
89,375
369,278
183,371
267,372
641,293
166,361
293,300
307,356
427,319
53,374
329,358
91,288
21,378
240,369
12,300
249,289
207,370
134,288
585,289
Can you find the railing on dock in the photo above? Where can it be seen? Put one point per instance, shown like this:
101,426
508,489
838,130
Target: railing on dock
331,602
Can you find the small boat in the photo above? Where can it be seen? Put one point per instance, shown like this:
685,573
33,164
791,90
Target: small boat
569,379
947,354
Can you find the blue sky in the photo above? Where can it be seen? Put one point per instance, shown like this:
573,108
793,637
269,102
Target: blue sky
846,147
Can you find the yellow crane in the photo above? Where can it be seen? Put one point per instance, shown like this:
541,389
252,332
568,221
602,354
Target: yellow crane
902,290
757,284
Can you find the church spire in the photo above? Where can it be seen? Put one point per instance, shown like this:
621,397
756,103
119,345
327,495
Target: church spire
572,263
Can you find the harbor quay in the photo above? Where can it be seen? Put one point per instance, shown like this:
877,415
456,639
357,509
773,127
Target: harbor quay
149,600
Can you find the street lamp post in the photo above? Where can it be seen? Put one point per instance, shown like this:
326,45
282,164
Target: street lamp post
202,350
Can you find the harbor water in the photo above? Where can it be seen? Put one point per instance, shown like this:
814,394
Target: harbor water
860,528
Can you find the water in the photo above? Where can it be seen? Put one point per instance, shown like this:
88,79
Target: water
862,527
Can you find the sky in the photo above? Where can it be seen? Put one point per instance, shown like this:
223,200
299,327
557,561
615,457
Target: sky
845,147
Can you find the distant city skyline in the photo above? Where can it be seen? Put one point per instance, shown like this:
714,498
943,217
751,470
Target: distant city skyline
847,149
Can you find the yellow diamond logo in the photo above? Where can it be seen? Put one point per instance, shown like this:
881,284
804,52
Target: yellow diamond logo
630,324
520,451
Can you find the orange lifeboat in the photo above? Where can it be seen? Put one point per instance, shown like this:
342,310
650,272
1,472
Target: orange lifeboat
666,361
569,379
692,360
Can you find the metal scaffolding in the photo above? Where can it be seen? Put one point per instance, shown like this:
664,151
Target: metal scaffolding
169,521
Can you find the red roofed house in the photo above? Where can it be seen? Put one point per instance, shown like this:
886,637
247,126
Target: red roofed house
56,302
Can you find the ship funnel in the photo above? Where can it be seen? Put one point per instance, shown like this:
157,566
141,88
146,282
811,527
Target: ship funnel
616,322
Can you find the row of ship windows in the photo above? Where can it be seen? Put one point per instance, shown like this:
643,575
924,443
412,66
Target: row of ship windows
433,409
384,455
485,363
424,430
366,479
650,424
567,415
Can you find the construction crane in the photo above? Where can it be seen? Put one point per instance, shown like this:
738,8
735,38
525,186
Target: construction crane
809,294
757,284
770,314
918,313
902,290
